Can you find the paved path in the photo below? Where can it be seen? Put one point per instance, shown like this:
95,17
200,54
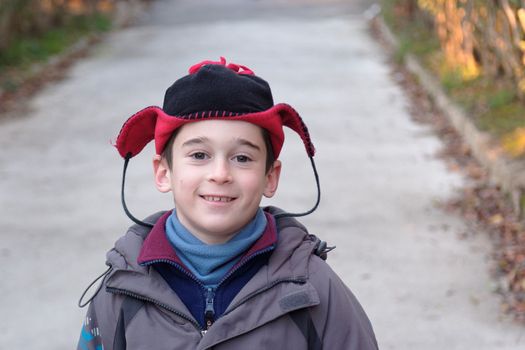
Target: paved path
422,286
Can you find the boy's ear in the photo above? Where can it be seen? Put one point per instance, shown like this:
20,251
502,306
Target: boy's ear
162,174
272,179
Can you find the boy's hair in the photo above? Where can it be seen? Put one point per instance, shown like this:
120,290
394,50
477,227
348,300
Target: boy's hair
270,157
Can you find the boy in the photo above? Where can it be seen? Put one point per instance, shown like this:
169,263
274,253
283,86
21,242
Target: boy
218,271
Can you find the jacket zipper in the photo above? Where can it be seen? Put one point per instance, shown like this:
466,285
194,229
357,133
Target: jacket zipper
242,263
208,316
156,302
180,268
209,313
209,301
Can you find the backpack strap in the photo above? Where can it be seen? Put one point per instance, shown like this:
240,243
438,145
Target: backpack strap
303,320
128,310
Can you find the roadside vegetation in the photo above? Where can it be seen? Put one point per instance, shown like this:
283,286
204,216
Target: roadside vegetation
33,31
477,50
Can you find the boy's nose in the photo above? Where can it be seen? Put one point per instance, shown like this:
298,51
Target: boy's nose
220,172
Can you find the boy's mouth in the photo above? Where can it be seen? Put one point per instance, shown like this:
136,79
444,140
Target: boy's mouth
223,199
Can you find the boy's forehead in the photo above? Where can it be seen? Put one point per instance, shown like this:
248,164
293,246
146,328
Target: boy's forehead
230,129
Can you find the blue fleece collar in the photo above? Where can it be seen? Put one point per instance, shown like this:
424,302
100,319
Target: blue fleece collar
210,262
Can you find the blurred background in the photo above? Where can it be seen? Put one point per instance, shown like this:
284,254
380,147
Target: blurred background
427,219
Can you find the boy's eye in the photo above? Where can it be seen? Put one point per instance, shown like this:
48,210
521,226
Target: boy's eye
242,158
199,155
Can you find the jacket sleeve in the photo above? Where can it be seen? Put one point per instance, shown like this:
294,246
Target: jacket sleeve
90,338
98,329
339,319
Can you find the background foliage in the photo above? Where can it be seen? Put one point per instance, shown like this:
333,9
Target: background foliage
34,29
33,17
479,37
479,54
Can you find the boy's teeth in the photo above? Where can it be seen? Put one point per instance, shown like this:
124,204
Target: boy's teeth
217,199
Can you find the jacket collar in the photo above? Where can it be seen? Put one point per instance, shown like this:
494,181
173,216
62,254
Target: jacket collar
157,247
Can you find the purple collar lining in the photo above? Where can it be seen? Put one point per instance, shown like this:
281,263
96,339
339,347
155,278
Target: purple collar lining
157,246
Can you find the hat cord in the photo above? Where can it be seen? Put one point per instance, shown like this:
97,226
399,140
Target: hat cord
277,216
285,214
128,213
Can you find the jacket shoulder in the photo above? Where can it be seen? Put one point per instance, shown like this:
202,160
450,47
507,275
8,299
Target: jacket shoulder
339,317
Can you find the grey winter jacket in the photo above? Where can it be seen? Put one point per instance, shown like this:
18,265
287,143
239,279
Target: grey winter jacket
296,301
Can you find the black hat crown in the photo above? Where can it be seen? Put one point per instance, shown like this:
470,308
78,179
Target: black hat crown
215,87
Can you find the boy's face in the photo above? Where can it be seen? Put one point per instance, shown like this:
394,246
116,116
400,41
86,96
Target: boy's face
218,177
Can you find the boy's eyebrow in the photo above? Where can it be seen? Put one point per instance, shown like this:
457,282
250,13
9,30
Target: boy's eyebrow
201,140
244,142
195,141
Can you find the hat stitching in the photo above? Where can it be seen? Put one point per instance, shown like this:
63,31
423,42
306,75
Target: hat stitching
128,125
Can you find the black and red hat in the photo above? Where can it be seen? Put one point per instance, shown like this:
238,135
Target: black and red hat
212,91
